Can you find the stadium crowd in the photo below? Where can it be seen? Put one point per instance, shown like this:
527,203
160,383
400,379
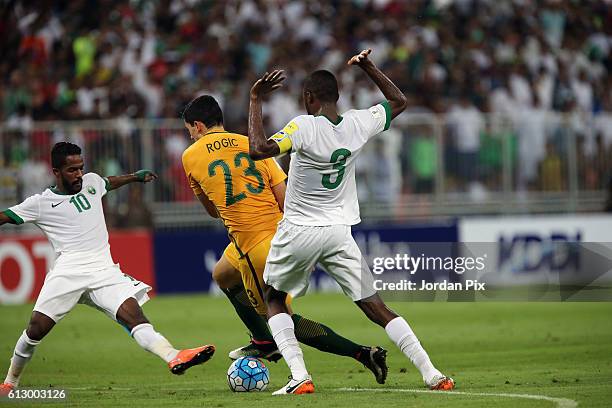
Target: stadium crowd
519,59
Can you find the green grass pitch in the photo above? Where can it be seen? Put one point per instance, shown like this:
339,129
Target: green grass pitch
557,350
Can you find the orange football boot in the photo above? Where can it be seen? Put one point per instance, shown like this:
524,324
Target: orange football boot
305,386
190,357
444,384
5,389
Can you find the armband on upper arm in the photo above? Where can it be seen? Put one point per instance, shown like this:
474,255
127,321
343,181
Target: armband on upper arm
282,137
283,141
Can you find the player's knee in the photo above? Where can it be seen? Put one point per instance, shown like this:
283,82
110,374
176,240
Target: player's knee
226,278
273,296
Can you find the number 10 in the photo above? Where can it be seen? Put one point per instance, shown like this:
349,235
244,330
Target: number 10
80,202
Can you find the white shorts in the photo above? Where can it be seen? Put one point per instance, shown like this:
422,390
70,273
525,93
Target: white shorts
105,290
296,249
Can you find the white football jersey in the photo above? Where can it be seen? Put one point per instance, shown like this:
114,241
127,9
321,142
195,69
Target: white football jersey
74,224
321,189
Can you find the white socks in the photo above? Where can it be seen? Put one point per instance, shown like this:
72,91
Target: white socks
282,328
400,332
152,341
24,349
144,335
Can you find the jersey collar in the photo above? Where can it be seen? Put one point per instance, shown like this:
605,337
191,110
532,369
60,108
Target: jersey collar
214,129
54,190
336,122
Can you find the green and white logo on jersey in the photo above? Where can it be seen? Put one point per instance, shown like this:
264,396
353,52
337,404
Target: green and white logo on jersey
91,190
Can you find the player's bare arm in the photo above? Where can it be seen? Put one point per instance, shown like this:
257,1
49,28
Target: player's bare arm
284,162
259,146
142,176
279,193
397,100
210,207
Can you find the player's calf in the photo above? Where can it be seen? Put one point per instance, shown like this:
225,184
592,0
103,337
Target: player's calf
24,350
178,360
130,314
276,301
38,327
376,310
400,332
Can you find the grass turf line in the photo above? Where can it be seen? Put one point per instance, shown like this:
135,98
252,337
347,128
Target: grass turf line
559,350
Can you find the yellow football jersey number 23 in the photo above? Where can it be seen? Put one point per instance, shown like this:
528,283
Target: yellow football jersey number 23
250,170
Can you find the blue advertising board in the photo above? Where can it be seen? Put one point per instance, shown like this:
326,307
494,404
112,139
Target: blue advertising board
184,260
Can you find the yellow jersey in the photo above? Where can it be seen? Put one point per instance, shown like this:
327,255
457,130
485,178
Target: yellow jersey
219,165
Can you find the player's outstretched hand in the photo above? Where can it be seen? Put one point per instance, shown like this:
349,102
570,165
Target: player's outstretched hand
361,59
269,82
145,176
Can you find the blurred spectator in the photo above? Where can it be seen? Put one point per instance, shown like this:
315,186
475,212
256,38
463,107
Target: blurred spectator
587,172
531,125
121,60
466,121
551,170
380,173
544,84
16,95
600,163
608,204
159,48
84,48
494,139
423,159
35,173
563,92
584,92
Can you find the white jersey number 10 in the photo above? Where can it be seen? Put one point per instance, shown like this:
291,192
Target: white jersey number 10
80,202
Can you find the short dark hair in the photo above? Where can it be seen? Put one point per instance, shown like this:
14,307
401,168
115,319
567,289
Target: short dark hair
323,85
60,151
204,109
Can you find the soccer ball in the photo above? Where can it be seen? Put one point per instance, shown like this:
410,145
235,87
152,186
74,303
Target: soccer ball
248,374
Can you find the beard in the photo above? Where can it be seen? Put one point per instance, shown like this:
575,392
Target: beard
74,187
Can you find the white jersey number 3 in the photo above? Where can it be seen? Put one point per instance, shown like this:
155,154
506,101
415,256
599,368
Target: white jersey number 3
338,157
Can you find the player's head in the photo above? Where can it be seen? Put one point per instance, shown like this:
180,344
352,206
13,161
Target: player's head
320,87
201,114
67,166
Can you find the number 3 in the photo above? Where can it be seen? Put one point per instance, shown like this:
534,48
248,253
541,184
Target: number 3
338,157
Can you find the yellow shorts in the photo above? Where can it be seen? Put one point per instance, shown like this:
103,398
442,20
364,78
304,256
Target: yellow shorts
251,267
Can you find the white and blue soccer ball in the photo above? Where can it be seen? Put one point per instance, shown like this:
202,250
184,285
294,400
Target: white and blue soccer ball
248,374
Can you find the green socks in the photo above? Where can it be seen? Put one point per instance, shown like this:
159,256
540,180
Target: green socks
252,320
323,338
307,331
